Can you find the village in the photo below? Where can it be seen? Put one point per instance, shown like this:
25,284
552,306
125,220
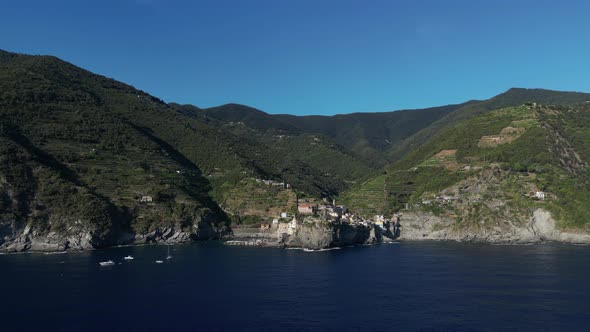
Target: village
310,211
275,230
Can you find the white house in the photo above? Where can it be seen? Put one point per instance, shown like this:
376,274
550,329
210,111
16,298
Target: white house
146,199
292,227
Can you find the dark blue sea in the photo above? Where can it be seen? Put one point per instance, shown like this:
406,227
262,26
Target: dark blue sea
409,286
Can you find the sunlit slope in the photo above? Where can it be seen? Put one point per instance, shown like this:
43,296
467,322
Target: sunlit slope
506,155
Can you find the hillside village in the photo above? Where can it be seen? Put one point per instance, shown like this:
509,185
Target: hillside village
310,213
330,212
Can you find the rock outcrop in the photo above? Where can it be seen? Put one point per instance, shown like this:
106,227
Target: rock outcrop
85,238
540,227
315,234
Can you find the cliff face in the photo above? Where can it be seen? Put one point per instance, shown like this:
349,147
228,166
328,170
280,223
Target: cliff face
85,236
540,226
321,235
36,240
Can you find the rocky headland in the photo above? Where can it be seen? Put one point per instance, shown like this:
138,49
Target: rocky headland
315,234
309,233
84,238
413,226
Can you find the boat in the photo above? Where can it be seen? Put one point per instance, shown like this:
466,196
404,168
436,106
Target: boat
128,258
159,262
107,263
169,256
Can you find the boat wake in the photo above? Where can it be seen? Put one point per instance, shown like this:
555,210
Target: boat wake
320,250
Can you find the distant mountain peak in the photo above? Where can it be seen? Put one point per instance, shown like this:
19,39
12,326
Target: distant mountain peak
537,90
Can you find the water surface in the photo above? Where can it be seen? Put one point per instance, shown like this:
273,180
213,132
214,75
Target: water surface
422,286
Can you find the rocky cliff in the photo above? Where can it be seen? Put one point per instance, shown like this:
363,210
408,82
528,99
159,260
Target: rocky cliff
83,236
314,233
540,226
326,235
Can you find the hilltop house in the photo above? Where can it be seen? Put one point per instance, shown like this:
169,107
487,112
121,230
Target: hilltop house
146,199
306,208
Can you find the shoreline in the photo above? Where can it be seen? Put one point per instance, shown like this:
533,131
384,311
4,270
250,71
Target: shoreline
313,236
224,242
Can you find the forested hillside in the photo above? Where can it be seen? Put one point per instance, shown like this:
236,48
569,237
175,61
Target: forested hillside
72,139
491,167
381,138
512,97
87,161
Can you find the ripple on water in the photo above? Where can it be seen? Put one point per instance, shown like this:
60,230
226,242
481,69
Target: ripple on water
409,286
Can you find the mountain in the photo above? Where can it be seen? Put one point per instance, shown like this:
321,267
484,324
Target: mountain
251,117
483,177
80,151
87,161
512,97
364,135
381,138
291,144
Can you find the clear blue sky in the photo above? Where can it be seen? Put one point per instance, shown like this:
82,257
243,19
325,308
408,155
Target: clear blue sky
313,56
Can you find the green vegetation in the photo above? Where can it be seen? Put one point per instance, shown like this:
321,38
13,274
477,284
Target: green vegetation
466,111
368,197
100,140
79,151
250,199
570,147
508,154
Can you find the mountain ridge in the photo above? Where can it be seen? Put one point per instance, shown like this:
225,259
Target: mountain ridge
492,167
368,135
90,162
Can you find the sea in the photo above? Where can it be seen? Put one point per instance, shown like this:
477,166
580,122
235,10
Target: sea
208,286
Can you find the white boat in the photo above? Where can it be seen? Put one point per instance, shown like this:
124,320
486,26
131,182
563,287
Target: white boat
159,262
169,256
128,258
107,263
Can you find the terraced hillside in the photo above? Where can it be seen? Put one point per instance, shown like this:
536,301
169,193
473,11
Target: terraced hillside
367,198
492,166
512,97
252,201
377,139
319,152
83,138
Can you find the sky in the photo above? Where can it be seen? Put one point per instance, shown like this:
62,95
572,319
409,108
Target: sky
313,56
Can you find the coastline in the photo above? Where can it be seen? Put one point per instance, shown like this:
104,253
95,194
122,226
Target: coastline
540,227
316,237
30,241
224,242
